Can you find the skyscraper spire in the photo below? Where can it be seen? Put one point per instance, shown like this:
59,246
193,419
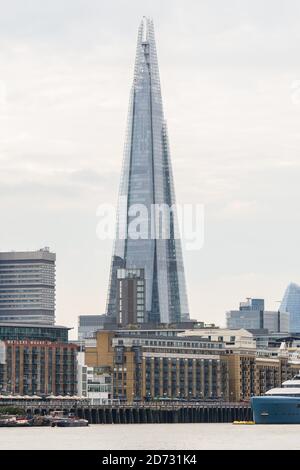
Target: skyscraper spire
147,181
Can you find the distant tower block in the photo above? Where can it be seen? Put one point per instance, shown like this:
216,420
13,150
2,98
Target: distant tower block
27,287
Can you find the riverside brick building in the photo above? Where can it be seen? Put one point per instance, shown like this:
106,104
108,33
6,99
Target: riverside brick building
33,366
150,366
173,364
38,368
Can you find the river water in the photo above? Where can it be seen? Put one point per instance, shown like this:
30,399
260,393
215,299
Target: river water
153,436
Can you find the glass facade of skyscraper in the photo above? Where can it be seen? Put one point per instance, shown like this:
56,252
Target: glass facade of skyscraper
291,303
146,181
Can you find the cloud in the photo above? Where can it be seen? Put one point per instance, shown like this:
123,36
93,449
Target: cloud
238,208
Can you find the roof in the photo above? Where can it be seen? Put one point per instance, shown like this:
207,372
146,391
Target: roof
166,338
218,332
42,254
34,325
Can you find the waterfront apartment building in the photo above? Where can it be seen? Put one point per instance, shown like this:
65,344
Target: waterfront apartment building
94,383
37,360
255,372
241,356
145,366
253,316
27,287
166,363
38,368
131,295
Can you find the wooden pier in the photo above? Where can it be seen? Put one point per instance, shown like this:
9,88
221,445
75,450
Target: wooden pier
200,412
166,414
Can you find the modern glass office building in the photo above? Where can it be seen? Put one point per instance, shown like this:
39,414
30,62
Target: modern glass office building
20,332
291,303
146,182
253,316
89,324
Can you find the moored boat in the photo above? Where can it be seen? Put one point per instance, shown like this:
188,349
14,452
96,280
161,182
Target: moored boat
279,405
14,421
57,418
70,422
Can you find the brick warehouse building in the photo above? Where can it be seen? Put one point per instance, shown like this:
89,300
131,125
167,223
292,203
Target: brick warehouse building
148,366
33,366
164,363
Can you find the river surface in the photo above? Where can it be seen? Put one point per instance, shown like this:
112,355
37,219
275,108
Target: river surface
153,436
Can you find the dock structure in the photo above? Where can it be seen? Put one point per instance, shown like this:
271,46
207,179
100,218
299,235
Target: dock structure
206,413
128,413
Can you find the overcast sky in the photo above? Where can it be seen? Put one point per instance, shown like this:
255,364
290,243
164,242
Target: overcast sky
230,75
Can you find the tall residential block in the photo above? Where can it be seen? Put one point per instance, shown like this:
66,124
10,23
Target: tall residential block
27,287
131,296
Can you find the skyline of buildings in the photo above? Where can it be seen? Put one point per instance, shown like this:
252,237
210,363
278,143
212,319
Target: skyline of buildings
66,307
157,351
147,279
20,300
202,150
24,277
253,316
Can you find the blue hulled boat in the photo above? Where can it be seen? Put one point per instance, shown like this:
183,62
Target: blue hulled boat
279,405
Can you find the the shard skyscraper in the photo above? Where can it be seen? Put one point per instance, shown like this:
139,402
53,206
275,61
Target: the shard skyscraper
147,180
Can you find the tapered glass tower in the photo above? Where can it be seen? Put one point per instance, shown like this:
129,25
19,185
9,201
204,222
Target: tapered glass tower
147,181
291,303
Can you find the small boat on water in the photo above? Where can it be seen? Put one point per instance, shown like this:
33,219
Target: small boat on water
60,420
279,405
56,418
14,421
70,422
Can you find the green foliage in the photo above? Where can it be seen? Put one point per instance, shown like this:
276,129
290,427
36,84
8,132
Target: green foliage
11,410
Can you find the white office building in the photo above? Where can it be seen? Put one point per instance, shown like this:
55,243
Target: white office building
94,383
27,287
